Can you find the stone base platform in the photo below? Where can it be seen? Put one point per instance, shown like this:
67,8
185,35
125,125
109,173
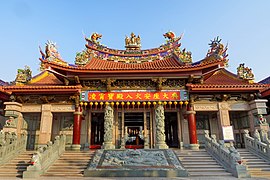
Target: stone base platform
135,163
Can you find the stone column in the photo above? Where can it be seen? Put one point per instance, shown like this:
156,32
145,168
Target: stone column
108,128
223,116
45,124
160,128
257,110
76,141
14,117
192,127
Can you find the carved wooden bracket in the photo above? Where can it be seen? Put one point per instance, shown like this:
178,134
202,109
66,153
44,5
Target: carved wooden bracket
76,99
108,82
47,99
159,82
77,79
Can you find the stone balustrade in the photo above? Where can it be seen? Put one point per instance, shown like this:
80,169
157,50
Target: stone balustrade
228,157
259,144
10,145
45,157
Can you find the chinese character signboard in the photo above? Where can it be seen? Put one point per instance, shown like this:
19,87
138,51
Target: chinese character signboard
227,133
179,95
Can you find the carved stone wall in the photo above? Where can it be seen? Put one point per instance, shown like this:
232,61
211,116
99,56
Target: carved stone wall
14,117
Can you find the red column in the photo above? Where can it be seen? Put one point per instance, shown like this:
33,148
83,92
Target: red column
192,125
77,126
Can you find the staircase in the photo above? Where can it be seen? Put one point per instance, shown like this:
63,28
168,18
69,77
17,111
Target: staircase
15,167
255,165
199,163
70,164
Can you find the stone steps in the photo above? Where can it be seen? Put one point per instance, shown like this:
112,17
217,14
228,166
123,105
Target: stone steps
15,167
200,164
256,166
70,164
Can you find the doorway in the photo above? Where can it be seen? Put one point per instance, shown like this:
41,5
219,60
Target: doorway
31,124
134,127
97,130
171,129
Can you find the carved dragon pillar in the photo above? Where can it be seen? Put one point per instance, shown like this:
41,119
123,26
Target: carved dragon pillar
160,128
108,128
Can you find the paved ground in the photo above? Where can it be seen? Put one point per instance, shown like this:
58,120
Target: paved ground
155,178
141,178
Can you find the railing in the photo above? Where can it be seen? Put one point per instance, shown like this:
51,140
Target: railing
259,145
228,157
45,157
10,145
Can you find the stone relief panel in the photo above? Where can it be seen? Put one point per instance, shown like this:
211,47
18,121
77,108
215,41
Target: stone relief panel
223,106
242,106
14,107
63,108
205,107
31,108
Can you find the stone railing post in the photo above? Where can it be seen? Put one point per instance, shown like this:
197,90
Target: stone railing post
45,157
229,158
108,128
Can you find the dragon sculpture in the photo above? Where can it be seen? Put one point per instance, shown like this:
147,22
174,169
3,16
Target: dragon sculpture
170,35
95,37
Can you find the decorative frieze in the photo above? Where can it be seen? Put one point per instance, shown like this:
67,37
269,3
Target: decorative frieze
205,107
63,108
154,83
239,106
31,108
13,106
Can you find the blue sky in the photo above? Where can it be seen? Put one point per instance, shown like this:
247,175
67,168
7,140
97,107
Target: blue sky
26,24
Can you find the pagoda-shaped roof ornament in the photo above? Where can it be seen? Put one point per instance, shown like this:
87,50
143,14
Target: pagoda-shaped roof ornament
245,73
133,42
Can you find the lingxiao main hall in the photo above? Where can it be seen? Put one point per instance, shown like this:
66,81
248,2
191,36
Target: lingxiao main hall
132,98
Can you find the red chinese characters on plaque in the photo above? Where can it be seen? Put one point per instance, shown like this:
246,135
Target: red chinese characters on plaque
131,96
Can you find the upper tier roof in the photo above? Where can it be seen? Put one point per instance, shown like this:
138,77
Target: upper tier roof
168,57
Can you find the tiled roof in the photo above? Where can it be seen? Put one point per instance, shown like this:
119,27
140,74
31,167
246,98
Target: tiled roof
265,81
39,88
43,82
222,80
3,83
169,64
45,78
224,77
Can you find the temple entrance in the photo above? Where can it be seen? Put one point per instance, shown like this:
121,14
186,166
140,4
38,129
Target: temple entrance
171,130
133,122
31,124
97,130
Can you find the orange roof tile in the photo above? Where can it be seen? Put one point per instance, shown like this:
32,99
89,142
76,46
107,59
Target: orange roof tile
222,76
165,65
223,80
39,88
45,78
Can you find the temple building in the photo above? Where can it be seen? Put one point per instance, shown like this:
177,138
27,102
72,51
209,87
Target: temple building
133,98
